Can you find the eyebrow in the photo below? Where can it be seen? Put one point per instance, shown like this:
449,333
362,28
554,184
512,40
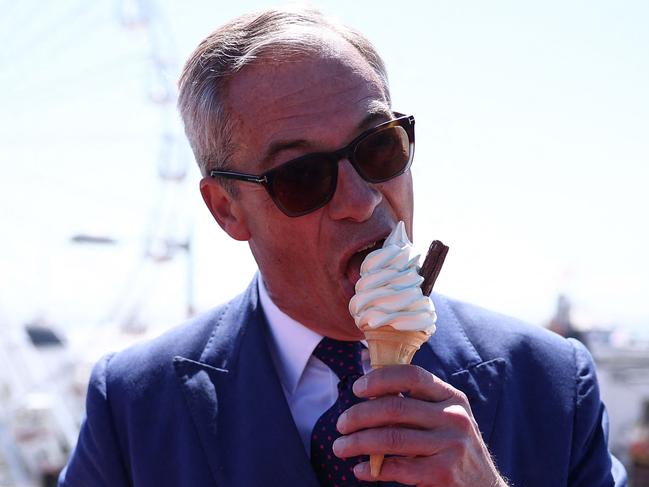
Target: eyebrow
377,113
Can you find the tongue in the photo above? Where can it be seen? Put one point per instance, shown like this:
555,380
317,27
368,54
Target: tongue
354,265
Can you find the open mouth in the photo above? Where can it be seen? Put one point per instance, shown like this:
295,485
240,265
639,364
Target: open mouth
354,264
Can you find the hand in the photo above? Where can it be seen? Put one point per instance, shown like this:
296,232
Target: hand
431,429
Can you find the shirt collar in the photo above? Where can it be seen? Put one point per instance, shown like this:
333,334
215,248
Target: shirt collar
292,342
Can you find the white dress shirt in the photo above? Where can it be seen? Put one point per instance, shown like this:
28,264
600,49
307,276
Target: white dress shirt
309,385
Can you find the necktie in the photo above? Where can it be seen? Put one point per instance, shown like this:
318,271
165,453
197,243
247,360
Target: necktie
344,359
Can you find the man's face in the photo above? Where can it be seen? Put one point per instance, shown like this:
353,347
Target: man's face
281,111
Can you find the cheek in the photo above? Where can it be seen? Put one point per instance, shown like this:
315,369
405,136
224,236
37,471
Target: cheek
399,195
263,217
272,251
287,244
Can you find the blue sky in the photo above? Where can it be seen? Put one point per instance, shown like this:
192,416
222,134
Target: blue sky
532,155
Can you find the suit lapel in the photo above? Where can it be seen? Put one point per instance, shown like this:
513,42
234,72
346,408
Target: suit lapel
237,404
236,401
450,355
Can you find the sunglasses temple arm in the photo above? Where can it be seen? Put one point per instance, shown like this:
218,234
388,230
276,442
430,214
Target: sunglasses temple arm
240,176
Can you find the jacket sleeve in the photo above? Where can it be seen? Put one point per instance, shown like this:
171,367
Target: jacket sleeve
591,463
96,459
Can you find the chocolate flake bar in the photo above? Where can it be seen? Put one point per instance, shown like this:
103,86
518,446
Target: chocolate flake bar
432,265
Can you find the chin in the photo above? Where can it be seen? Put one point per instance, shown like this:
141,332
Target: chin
351,333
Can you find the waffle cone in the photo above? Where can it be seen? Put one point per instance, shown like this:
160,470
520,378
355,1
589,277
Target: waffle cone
389,346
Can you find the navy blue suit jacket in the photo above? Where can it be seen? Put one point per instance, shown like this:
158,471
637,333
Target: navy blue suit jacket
202,405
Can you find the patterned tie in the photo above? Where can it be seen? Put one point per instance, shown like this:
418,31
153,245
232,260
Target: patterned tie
344,358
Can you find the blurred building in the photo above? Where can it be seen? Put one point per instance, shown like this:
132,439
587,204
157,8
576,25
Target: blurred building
623,372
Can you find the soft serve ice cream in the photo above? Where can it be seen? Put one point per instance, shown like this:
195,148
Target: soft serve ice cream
389,293
390,308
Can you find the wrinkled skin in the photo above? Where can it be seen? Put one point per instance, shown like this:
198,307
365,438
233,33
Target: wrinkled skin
308,104
320,103
430,424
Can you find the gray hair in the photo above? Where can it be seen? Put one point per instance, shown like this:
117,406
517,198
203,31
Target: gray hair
203,83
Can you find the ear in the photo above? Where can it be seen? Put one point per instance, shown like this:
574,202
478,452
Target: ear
225,209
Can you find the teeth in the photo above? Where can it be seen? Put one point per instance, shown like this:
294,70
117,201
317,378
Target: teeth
368,246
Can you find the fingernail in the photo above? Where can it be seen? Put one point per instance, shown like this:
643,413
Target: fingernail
360,386
341,422
339,445
360,468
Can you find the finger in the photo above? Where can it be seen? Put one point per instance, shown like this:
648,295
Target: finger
410,380
397,469
391,441
391,410
409,471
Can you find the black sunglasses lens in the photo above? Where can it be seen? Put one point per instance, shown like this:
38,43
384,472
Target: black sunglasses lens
383,154
305,184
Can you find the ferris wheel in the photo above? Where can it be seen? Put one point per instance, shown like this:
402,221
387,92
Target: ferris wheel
89,88
92,82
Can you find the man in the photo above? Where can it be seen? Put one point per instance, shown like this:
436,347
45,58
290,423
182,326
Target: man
242,395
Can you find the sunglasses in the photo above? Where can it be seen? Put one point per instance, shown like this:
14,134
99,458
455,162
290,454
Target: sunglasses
307,183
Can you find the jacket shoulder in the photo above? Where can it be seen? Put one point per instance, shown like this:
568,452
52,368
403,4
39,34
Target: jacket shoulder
550,393
149,364
497,335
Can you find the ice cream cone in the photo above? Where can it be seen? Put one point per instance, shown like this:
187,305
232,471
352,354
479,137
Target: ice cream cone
392,304
389,346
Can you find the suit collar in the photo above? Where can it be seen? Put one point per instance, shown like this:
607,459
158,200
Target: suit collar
237,404
450,355
449,348
291,343
240,412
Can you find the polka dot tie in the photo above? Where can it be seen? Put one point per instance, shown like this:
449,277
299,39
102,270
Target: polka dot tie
344,358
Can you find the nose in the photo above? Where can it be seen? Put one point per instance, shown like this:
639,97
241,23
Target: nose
355,199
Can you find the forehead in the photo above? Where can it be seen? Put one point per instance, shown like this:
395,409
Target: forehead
318,98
